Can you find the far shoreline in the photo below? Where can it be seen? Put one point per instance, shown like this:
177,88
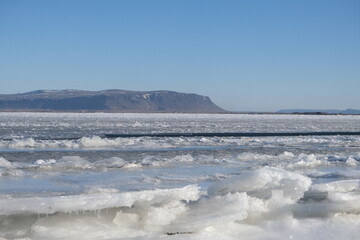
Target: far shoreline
167,112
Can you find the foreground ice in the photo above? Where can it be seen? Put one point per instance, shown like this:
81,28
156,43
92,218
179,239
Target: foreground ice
267,203
60,180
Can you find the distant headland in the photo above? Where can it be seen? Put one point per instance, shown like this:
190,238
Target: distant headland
113,100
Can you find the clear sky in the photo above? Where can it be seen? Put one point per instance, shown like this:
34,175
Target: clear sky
246,55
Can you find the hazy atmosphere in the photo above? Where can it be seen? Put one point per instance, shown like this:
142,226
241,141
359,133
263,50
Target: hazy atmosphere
245,55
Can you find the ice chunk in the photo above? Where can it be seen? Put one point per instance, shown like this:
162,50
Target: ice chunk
114,162
351,162
213,211
91,202
42,162
5,163
125,219
260,183
307,161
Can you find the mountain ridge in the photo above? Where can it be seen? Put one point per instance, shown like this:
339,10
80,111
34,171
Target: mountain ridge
111,100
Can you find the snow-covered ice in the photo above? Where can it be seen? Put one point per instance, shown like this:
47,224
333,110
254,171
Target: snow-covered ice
60,180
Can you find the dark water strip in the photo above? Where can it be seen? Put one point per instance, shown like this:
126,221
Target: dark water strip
233,134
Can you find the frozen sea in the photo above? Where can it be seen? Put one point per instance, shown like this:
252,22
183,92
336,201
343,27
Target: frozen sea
60,179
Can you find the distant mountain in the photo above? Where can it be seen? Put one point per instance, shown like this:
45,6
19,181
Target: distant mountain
108,100
320,111
350,111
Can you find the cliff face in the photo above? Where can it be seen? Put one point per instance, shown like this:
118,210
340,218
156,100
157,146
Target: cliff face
108,100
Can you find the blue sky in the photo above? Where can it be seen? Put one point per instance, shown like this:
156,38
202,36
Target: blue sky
247,55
